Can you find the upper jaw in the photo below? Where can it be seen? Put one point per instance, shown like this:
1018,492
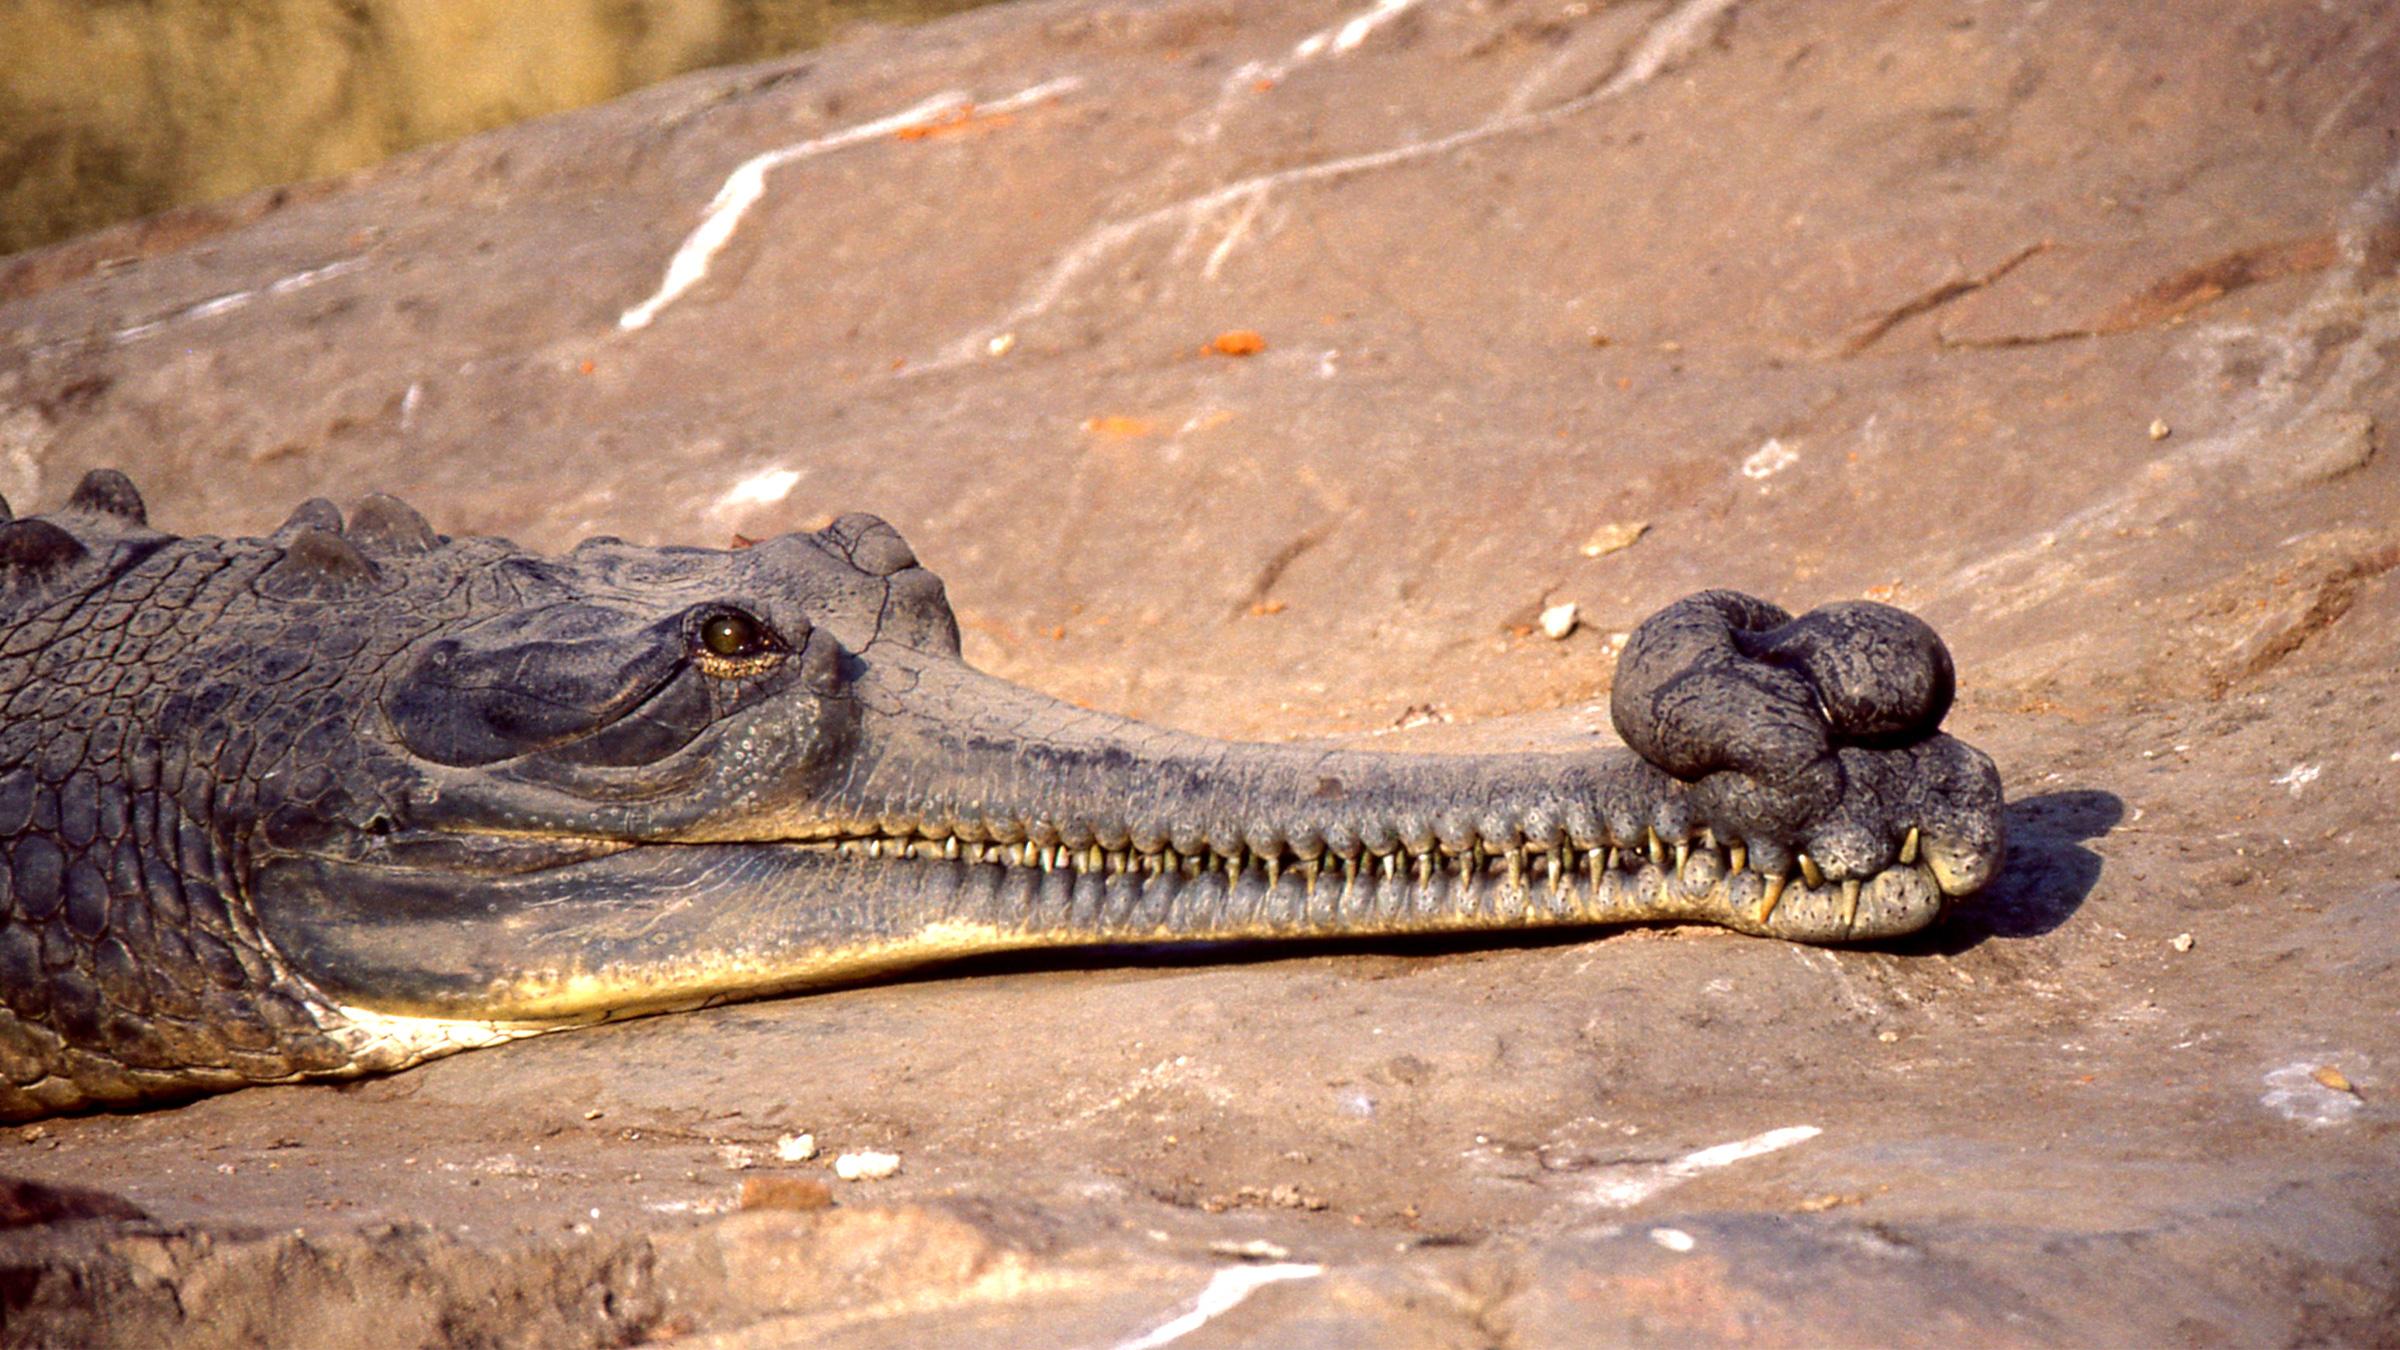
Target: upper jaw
938,751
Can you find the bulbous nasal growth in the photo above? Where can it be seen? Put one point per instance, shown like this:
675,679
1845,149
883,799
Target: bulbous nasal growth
355,794
1720,680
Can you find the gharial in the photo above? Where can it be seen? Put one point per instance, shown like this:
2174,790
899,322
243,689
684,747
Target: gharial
337,800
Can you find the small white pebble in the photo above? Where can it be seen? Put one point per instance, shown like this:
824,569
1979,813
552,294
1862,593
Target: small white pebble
866,1166
2181,942
2159,430
1611,538
1558,620
1001,345
796,1147
1769,459
1673,1239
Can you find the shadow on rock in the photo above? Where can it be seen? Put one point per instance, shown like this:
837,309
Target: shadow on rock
34,1204
2046,878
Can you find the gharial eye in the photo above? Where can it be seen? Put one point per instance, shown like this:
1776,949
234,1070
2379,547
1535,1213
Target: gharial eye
731,634
730,642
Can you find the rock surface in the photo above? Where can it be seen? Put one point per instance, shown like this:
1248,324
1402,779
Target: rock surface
2071,327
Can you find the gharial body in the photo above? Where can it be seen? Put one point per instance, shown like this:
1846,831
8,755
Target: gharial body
353,795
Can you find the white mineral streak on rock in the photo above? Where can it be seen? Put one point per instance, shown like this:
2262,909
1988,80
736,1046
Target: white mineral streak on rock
1339,40
764,488
1671,38
744,186
1225,1291
1349,35
1233,235
1626,1187
227,303
1668,41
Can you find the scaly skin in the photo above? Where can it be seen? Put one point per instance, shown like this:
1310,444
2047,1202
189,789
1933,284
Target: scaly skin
341,799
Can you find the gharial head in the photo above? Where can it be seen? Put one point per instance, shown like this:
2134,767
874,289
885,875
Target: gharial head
355,793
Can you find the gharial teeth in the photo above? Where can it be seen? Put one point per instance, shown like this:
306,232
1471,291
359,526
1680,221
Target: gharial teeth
1766,904
1908,848
1525,866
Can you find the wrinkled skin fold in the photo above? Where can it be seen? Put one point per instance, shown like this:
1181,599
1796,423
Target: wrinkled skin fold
353,795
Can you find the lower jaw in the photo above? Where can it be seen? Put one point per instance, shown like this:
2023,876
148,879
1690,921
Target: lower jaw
656,928
945,910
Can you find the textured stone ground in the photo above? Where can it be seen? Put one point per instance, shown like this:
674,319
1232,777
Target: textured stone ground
2073,328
